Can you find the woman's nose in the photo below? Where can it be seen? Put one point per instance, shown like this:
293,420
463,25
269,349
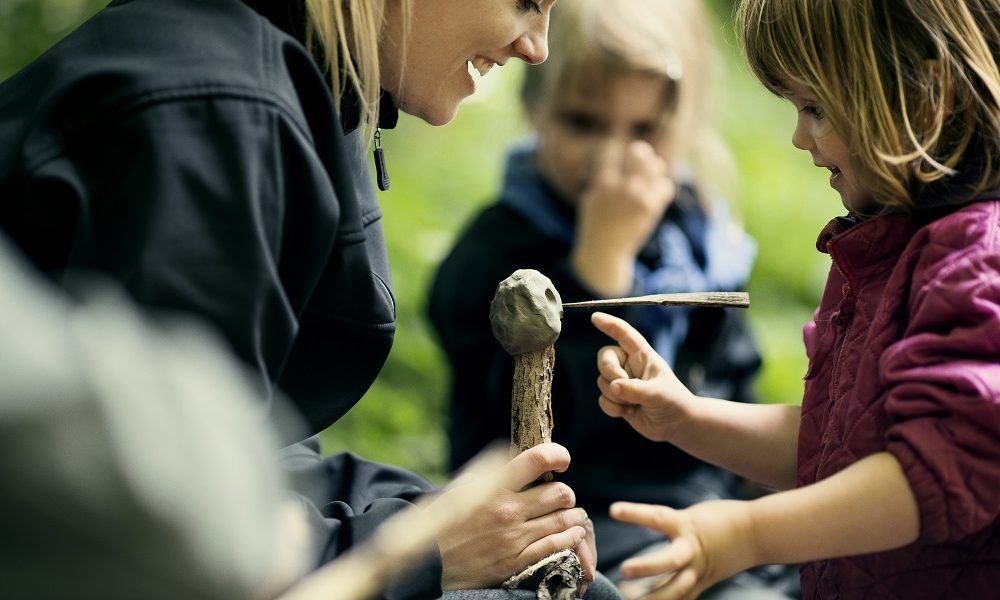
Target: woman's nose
533,46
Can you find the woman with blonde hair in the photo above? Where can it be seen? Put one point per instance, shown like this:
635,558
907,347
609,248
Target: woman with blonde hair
211,156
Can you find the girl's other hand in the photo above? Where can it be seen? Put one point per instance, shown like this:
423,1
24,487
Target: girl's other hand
709,542
637,384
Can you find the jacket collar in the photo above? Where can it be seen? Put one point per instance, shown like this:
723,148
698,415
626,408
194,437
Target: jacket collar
868,241
350,111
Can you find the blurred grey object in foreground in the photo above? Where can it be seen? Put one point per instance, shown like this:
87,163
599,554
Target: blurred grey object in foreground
135,460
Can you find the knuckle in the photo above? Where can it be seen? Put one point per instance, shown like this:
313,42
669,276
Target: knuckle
563,495
506,512
539,460
565,520
578,518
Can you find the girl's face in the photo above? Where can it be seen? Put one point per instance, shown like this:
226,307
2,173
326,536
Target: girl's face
629,107
815,134
430,77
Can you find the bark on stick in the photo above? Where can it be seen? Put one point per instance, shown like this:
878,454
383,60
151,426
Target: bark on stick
526,316
531,401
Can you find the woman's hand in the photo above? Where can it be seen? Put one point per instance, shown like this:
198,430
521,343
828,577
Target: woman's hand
630,191
710,542
519,527
637,384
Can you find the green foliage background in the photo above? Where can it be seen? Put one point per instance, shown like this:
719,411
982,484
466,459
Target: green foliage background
442,176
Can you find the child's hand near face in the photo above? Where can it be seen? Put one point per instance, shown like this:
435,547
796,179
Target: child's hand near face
629,192
637,384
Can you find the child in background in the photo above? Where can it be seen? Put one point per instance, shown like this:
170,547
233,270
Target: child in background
895,452
604,201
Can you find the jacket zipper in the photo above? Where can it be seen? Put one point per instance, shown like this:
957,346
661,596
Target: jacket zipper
381,171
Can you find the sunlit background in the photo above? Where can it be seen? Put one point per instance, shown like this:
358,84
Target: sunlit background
442,176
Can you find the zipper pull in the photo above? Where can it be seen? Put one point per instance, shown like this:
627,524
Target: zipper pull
381,173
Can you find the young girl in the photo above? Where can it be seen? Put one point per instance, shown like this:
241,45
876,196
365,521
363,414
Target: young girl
894,454
603,199
211,156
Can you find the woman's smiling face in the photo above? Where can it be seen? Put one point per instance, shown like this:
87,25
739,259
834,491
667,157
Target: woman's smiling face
447,38
815,134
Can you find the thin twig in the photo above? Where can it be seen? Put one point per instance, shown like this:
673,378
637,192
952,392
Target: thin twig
733,299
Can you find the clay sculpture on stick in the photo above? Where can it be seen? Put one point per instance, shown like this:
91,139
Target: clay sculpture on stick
526,317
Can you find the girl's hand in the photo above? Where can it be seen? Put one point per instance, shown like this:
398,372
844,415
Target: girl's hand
630,191
637,384
710,542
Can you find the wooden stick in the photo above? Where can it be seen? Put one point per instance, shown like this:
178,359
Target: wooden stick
733,299
531,401
556,576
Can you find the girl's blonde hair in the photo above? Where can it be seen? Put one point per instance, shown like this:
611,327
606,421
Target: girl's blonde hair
347,34
912,85
592,41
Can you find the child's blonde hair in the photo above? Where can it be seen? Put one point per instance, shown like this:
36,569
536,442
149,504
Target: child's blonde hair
348,34
592,41
912,85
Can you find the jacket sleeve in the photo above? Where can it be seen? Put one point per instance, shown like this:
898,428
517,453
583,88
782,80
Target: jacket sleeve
347,497
943,399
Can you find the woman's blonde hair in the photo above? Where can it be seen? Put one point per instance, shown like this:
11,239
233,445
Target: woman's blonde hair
912,85
347,34
593,41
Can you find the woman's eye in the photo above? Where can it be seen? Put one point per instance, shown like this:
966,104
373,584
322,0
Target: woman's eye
529,5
